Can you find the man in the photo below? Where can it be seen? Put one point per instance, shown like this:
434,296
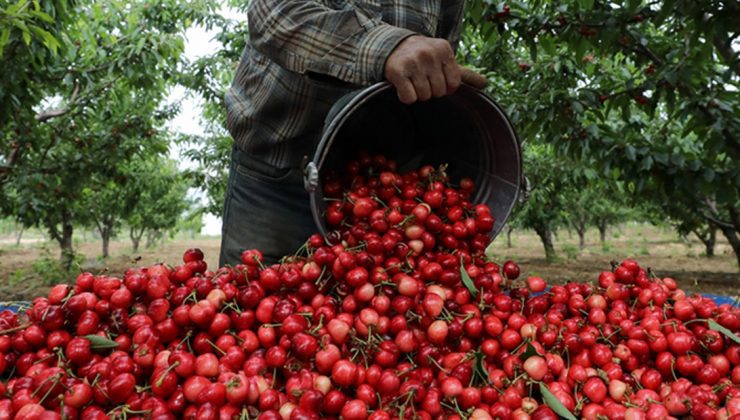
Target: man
301,57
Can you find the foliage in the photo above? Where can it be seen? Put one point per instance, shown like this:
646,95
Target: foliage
30,41
643,92
543,210
49,270
148,192
159,193
80,115
211,153
208,77
192,221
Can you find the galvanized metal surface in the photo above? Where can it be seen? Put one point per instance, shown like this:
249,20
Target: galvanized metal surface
467,130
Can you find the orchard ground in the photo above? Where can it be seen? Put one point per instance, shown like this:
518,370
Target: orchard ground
23,268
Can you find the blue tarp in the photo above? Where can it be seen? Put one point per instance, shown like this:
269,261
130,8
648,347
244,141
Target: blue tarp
14,306
731,300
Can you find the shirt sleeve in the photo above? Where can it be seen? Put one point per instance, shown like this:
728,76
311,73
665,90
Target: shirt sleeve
351,44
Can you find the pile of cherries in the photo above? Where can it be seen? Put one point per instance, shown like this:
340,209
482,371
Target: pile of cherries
397,313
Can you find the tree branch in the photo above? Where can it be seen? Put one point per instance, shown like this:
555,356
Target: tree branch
53,113
713,219
10,160
717,222
735,216
54,232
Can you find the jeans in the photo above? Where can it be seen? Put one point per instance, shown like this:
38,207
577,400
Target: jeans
265,208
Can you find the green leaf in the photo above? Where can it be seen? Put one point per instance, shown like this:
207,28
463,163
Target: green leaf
586,4
547,44
555,403
581,47
467,281
529,352
480,369
635,5
4,37
661,158
646,164
713,325
98,342
47,38
11,10
43,16
630,152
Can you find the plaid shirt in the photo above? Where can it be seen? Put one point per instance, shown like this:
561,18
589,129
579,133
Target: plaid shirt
303,55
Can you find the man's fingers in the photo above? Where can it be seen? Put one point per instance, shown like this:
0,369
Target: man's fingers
438,83
451,72
405,90
472,78
422,87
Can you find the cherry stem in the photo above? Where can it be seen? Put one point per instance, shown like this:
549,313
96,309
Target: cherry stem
14,329
56,379
168,370
223,353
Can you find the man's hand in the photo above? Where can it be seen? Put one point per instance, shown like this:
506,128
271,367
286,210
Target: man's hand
421,68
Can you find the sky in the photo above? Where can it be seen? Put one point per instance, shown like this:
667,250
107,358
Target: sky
199,42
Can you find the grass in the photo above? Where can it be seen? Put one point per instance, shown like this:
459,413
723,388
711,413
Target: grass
27,270
659,248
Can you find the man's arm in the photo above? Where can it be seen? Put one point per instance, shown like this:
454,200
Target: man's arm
307,36
349,44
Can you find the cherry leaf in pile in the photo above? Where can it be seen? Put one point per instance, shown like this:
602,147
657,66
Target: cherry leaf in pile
480,369
713,325
529,352
98,342
467,281
555,403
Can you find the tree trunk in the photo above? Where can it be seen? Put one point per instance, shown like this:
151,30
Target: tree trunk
18,236
109,229
152,236
64,238
509,229
105,236
580,228
135,237
545,234
734,240
602,225
709,244
68,252
708,238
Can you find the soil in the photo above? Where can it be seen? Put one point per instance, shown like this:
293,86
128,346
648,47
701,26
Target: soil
660,249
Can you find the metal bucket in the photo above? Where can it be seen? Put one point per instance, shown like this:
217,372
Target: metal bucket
466,130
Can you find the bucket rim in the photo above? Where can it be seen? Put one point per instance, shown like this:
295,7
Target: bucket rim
348,106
